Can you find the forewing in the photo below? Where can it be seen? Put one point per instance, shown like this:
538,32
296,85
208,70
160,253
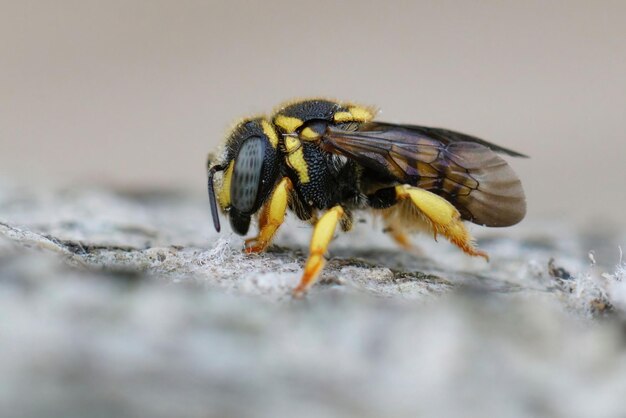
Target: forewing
469,174
444,136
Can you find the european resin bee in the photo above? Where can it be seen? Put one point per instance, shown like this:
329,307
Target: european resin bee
324,159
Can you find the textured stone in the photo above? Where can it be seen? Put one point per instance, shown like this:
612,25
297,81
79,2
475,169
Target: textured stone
126,304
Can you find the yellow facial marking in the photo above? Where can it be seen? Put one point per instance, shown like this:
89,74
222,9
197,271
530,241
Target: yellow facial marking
309,134
223,195
270,132
287,123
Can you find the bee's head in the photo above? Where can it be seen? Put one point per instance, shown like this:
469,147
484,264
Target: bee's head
251,166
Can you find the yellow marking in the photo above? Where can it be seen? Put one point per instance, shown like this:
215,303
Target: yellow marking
354,114
272,216
322,234
270,132
402,240
288,123
443,217
223,194
343,117
295,160
361,114
396,226
309,134
292,143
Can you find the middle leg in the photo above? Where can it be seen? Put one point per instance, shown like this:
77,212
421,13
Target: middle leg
322,234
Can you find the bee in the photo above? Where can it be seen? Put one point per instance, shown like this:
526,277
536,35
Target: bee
324,160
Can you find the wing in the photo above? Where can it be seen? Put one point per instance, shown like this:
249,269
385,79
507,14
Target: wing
444,136
465,170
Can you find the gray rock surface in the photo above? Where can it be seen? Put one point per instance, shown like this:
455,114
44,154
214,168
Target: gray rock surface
121,304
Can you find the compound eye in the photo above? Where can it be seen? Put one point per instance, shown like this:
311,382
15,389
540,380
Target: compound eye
313,129
244,187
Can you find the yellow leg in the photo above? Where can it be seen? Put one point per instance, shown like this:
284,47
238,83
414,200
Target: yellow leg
403,241
322,234
443,217
272,216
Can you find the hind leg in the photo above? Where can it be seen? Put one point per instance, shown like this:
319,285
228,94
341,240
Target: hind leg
386,199
440,215
402,239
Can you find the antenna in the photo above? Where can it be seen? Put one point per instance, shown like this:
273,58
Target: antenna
214,214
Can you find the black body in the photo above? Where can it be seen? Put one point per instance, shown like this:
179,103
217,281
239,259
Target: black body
356,163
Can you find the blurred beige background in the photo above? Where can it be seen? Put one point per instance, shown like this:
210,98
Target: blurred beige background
135,93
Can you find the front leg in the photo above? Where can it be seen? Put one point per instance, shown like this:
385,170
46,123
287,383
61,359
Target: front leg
322,234
271,218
